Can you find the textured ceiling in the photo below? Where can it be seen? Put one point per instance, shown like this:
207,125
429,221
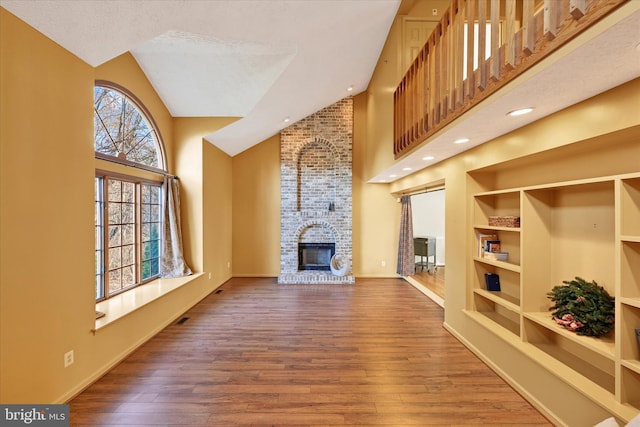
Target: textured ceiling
261,60
265,60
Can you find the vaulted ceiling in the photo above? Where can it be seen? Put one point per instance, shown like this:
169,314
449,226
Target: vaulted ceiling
262,60
267,60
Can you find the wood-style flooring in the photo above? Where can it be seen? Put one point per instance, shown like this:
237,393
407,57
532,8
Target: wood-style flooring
261,354
432,280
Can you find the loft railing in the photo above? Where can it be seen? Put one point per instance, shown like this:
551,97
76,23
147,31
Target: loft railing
456,69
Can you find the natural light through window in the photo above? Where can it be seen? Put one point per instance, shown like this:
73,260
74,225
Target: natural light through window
122,131
128,208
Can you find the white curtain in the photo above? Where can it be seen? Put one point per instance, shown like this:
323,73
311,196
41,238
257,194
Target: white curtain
406,258
172,263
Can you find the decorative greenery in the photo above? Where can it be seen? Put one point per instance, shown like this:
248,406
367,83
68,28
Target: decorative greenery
585,308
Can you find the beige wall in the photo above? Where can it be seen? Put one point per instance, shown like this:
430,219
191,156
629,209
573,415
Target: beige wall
204,174
47,167
46,217
217,214
256,210
376,213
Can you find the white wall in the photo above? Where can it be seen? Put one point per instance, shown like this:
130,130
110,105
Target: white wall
428,219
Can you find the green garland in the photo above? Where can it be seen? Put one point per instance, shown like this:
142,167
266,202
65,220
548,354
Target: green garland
585,308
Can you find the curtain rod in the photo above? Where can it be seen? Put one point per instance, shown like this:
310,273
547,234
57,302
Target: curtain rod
423,191
417,191
135,165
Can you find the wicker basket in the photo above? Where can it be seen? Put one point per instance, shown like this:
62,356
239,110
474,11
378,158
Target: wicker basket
504,221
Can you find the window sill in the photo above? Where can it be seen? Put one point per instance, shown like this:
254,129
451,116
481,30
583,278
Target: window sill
117,307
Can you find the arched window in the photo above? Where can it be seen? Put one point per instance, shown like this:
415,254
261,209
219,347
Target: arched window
124,132
128,210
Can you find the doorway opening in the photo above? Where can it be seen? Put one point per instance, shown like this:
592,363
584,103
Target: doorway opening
429,243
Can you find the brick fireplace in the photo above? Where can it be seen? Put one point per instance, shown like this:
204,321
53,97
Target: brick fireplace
315,191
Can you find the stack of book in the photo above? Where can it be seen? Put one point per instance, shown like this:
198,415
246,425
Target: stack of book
489,247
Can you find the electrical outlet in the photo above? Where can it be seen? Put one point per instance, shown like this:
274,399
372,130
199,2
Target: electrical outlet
383,263
209,276
228,265
434,12
68,359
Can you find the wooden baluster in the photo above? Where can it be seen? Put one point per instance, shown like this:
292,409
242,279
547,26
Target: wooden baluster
416,101
577,8
471,18
413,95
443,71
395,121
425,80
437,76
451,69
418,95
551,19
528,27
495,40
429,80
459,53
482,44
403,114
510,38
398,120
445,66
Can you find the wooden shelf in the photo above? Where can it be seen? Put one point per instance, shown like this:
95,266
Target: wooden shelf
604,346
630,270
629,317
499,264
495,228
634,302
509,330
498,313
634,365
566,226
505,300
630,207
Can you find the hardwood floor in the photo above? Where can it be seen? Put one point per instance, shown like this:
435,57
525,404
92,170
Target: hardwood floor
263,354
432,280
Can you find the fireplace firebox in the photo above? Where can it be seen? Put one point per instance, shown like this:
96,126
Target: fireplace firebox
315,256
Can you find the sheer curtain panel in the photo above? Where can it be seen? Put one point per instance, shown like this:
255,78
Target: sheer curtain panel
173,263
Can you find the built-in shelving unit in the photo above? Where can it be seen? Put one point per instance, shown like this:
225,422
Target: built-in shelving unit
588,228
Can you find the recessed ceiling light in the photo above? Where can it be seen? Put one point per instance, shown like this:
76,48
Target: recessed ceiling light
392,176
350,88
406,169
428,158
461,140
287,119
520,112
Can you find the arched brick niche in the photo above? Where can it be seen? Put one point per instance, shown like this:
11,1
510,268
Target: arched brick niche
316,177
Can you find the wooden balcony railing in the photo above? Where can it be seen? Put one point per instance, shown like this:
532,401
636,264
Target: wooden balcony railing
443,82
